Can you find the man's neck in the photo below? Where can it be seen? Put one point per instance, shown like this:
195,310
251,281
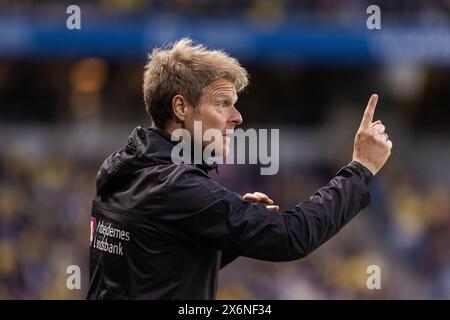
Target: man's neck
170,127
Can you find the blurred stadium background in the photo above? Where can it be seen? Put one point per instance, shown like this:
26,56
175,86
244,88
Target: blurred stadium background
69,98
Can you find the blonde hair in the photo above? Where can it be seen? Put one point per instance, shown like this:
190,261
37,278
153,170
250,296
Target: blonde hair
185,68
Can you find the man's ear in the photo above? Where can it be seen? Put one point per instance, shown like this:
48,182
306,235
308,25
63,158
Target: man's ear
179,107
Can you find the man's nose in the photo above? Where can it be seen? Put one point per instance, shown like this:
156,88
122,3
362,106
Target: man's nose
236,117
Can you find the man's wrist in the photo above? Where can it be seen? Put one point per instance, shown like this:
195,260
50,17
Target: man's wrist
365,173
365,165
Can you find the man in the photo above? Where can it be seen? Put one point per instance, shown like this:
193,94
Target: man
161,230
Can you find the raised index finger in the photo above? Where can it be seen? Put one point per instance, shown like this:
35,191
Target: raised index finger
370,110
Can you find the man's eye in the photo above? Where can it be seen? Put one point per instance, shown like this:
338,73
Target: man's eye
222,104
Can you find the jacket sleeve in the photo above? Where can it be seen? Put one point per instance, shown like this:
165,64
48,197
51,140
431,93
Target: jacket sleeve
218,218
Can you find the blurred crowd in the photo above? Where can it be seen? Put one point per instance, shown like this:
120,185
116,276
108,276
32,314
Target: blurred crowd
44,206
405,232
46,193
44,228
60,118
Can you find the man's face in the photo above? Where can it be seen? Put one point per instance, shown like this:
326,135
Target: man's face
216,110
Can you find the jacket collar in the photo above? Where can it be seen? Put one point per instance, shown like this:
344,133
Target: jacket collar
156,145
145,147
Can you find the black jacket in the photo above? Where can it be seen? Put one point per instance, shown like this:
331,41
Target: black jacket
161,230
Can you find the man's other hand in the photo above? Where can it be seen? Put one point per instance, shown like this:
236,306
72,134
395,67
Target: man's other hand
262,198
372,146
